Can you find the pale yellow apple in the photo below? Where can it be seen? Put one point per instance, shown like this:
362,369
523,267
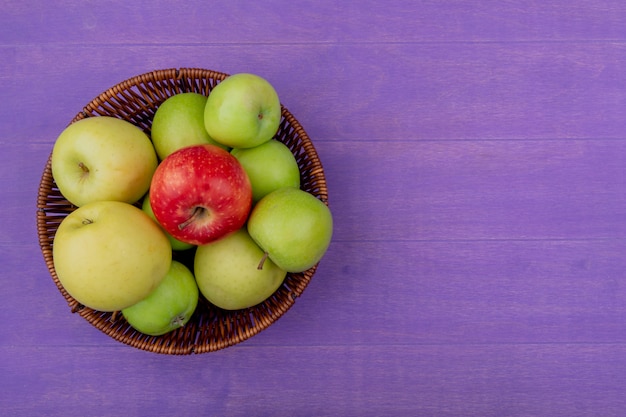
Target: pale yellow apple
103,158
228,274
109,255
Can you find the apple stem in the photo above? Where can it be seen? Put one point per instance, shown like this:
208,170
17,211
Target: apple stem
197,212
263,259
83,167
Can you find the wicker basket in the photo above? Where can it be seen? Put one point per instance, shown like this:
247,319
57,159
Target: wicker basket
210,328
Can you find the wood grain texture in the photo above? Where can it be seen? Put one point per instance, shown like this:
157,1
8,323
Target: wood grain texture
304,21
396,91
429,380
475,158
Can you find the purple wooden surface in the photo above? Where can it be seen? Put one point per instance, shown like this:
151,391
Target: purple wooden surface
475,154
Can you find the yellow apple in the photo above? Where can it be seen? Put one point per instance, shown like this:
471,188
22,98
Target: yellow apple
228,274
103,158
109,255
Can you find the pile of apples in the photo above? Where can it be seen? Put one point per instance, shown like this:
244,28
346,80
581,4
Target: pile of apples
211,179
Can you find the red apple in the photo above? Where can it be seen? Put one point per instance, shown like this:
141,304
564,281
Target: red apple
200,193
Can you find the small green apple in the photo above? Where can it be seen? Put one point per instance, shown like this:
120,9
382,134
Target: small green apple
109,255
177,245
242,111
169,306
269,166
293,227
228,275
103,158
179,122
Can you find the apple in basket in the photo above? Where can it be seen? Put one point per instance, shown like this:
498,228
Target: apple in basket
227,272
200,193
103,158
109,255
179,122
242,111
169,306
269,166
292,227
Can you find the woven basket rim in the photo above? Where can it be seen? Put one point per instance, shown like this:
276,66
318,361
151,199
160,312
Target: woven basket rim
211,328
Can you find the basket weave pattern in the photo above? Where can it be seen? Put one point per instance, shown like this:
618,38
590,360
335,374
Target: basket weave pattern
210,328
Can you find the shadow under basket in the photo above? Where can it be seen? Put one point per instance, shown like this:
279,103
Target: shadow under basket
210,328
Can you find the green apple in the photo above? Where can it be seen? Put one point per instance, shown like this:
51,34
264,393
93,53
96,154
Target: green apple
178,123
228,275
176,244
103,158
169,306
293,227
109,255
269,166
242,111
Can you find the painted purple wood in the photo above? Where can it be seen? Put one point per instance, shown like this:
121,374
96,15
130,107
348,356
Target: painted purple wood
475,155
